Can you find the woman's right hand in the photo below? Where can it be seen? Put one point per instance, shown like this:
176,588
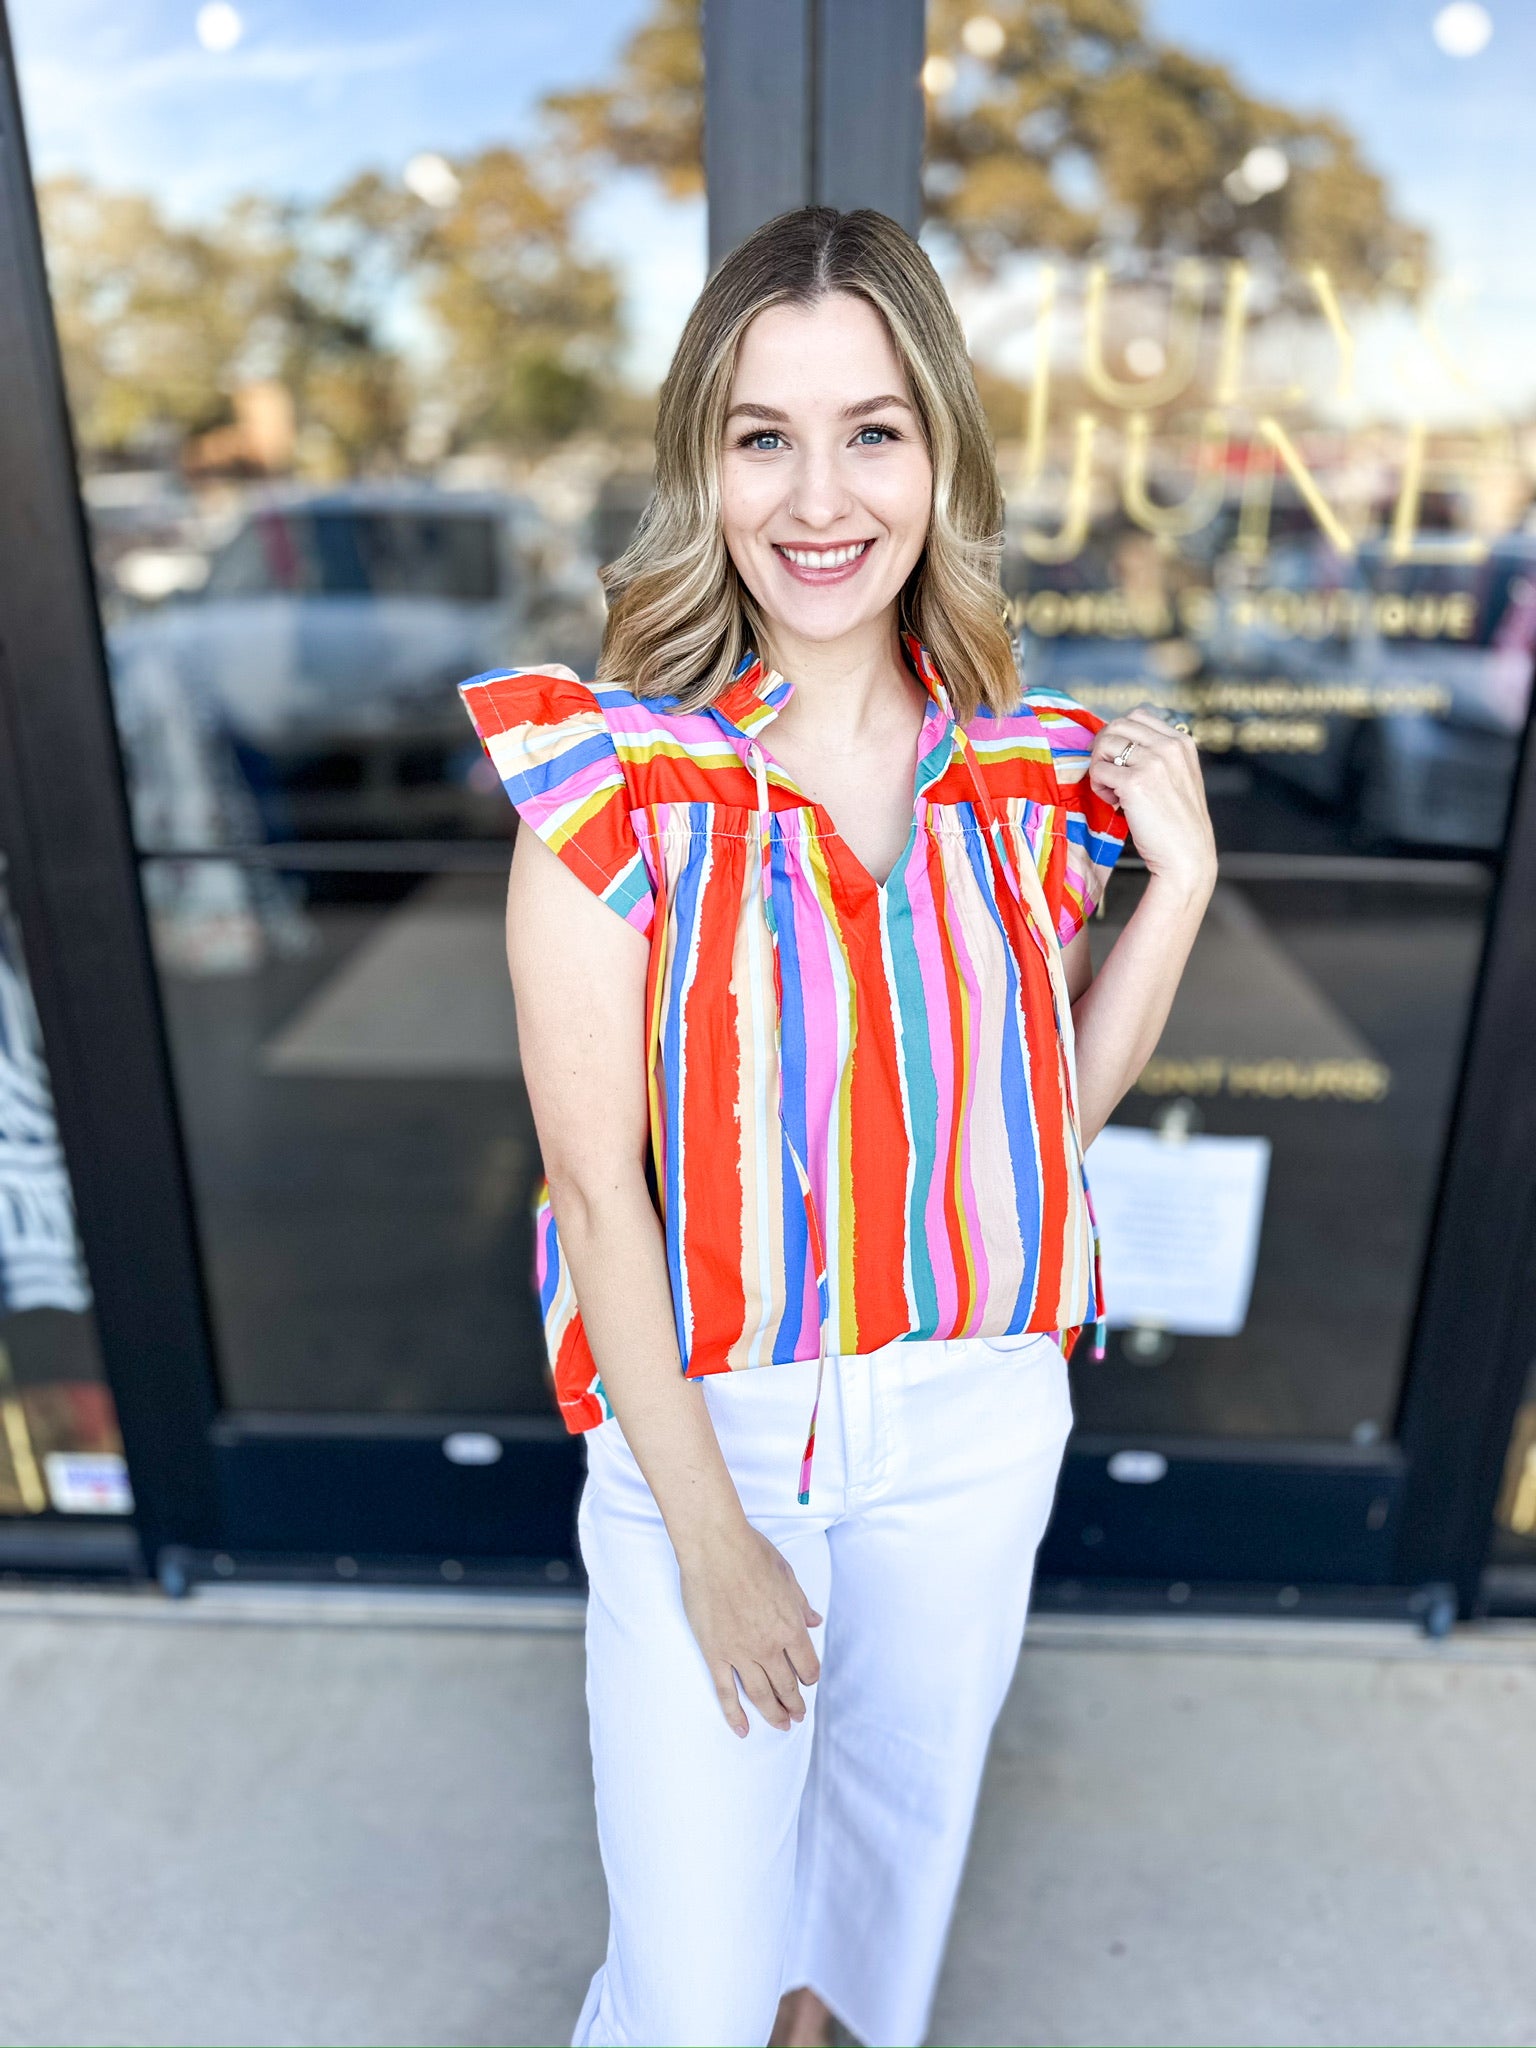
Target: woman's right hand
750,1619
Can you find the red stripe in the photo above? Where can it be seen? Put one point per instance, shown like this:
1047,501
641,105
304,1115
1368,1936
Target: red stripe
945,1034
574,1371
710,1141
879,1152
1016,777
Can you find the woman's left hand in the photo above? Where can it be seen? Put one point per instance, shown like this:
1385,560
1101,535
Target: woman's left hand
1162,793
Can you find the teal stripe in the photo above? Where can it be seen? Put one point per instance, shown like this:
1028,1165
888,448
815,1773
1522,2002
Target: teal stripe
630,889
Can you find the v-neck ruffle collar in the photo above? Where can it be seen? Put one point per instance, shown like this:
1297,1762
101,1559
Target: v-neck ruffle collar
756,693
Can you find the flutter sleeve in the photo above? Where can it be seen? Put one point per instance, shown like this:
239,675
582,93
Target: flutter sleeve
548,740
1092,830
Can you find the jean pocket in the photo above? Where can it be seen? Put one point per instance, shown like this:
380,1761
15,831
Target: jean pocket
1012,1342
1039,1357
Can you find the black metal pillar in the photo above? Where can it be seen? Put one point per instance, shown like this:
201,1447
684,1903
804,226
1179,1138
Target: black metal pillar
811,101
65,833
757,126
869,106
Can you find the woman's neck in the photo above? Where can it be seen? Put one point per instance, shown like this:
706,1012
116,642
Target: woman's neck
846,690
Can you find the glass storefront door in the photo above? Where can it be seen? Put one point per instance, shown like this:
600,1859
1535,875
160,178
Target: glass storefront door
1258,361
362,321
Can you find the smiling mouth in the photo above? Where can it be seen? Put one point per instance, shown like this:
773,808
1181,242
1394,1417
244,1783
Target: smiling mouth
822,564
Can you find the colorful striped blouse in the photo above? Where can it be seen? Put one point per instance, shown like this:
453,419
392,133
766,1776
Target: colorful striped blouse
862,1097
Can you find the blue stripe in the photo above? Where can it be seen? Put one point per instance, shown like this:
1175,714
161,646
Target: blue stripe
573,757
551,1287
797,1236
685,913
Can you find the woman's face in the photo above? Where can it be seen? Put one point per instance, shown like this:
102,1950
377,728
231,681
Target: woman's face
826,486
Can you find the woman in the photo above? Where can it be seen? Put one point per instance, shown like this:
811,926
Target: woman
845,1026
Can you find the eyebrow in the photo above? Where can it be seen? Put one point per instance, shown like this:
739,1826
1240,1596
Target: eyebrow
865,406
869,405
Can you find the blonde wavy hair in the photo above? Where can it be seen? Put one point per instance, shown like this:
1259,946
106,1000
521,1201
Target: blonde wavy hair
679,616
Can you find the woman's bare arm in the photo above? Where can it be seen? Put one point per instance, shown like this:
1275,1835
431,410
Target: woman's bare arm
578,981
1118,1013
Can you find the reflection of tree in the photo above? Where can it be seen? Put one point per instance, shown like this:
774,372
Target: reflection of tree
1064,129
651,115
161,323
1071,131
1085,131
157,321
525,328
1078,130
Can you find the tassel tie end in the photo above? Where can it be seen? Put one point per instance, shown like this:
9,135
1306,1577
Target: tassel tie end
804,1494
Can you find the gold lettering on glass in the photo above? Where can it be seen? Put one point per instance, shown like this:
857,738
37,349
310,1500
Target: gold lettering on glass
1234,328
1328,302
1333,527
1039,402
1069,537
1184,322
1199,508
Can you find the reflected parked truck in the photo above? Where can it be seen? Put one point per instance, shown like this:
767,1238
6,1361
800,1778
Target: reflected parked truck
314,672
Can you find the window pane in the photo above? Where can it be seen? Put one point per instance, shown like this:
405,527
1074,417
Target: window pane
363,319
363,1150
1257,355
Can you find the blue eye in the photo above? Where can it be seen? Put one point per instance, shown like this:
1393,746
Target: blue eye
882,434
756,440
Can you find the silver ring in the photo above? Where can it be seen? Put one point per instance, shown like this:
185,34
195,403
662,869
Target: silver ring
1124,754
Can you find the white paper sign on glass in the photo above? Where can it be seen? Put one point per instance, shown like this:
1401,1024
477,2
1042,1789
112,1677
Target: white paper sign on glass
1178,1227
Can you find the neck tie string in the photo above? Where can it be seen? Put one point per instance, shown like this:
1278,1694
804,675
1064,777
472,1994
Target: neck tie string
813,1222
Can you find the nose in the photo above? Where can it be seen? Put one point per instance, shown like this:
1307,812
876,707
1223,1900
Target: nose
819,496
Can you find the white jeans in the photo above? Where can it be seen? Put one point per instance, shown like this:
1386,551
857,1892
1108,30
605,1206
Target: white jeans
828,1855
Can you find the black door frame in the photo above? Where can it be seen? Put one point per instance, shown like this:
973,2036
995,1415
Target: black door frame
822,101
73,881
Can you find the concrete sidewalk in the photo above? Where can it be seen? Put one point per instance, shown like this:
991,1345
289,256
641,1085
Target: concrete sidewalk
353,1818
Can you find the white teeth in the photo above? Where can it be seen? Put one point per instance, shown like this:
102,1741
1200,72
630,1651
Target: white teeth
824,558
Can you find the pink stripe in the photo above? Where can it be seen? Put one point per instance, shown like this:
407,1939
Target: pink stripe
670,731
928,945
816,943
578,788
970,1213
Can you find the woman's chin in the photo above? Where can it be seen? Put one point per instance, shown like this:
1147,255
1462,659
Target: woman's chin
825,617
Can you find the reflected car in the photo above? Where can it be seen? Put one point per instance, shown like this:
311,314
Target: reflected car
307,690
1432,778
